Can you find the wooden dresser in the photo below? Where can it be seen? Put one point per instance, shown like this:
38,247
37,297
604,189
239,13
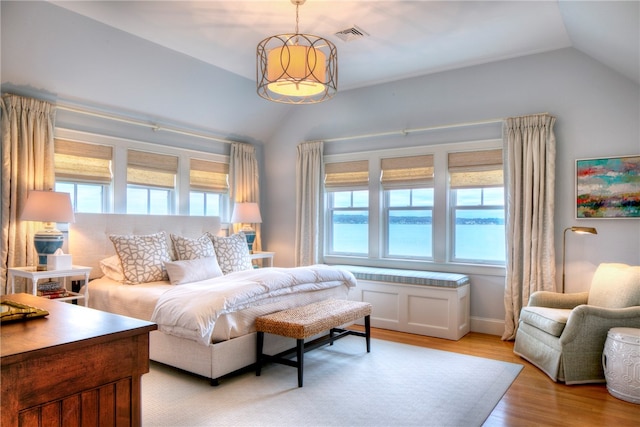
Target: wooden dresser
75,367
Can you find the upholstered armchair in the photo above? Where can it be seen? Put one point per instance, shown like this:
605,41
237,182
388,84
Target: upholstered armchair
564,334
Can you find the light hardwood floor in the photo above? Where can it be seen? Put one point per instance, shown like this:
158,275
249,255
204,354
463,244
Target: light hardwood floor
533,399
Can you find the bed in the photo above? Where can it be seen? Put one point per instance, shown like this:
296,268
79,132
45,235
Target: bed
206,326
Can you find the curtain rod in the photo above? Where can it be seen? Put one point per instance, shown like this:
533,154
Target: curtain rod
154,126
405,132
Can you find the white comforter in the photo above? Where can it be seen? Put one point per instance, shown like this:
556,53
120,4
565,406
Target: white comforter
191,310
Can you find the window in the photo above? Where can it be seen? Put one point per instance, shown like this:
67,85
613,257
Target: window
110,174
209,187
88,198
441,204
349,222
204,203
145,200
477,206
84,171
348,207
151,180
408,206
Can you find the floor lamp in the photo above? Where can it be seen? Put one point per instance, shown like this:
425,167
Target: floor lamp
579,230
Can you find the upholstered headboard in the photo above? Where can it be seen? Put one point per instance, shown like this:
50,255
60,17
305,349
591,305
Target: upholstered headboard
89,235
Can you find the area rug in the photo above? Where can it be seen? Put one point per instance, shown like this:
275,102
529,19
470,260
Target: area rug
394,385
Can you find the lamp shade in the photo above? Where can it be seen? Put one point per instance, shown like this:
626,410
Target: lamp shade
296,70
583,230
247,213
48,206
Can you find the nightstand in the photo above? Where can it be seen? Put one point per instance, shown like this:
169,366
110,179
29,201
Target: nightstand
265,258
35,275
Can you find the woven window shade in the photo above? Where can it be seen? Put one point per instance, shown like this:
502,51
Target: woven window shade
346,175
79,161
205,175
473,169
407,172
151,169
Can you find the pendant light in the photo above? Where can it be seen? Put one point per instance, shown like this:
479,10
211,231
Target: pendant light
297,68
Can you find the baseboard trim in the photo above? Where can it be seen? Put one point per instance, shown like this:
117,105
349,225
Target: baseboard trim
487,326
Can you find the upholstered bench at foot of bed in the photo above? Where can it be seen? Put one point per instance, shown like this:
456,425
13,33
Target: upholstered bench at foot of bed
304,322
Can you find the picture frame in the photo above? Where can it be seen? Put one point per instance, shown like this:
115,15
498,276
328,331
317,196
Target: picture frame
608,187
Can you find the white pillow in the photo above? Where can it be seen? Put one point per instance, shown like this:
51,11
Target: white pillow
192,270
232,252
187,248
142,256
112,268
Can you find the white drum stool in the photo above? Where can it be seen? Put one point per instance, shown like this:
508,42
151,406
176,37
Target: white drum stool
621,363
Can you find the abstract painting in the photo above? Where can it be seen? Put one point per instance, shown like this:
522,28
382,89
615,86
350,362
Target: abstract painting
608,187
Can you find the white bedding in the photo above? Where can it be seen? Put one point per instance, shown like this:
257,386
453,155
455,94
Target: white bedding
222,308
192,310
137,301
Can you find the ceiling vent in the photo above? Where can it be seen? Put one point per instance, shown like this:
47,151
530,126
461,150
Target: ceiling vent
351,34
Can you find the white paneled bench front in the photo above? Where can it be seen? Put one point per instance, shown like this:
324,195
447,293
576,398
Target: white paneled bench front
420,302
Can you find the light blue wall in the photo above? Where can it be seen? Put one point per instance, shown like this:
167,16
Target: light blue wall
51,53
597,114
59,55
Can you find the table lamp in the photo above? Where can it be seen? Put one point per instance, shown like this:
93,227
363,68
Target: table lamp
578,230
247,213
48,207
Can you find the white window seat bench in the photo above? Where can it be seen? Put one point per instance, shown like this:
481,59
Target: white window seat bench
420,302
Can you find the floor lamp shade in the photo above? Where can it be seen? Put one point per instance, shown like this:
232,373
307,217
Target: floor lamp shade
247,213
50,208
578,230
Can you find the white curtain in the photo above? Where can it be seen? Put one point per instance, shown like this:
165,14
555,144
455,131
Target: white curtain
308,202
27,164
529,159
244,181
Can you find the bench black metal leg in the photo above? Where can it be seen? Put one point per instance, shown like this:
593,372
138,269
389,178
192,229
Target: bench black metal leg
367,331
259,346
284,357
300,356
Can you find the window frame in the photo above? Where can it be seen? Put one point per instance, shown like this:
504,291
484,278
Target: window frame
329,224
148,189
106,191
441,217
213,171
387,208
453,210
223,201
118,188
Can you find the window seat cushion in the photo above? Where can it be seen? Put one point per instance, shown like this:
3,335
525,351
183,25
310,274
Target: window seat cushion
411,277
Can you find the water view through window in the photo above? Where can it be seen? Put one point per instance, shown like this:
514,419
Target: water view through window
477,237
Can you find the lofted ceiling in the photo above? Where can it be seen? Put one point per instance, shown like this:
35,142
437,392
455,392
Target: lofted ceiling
402,38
